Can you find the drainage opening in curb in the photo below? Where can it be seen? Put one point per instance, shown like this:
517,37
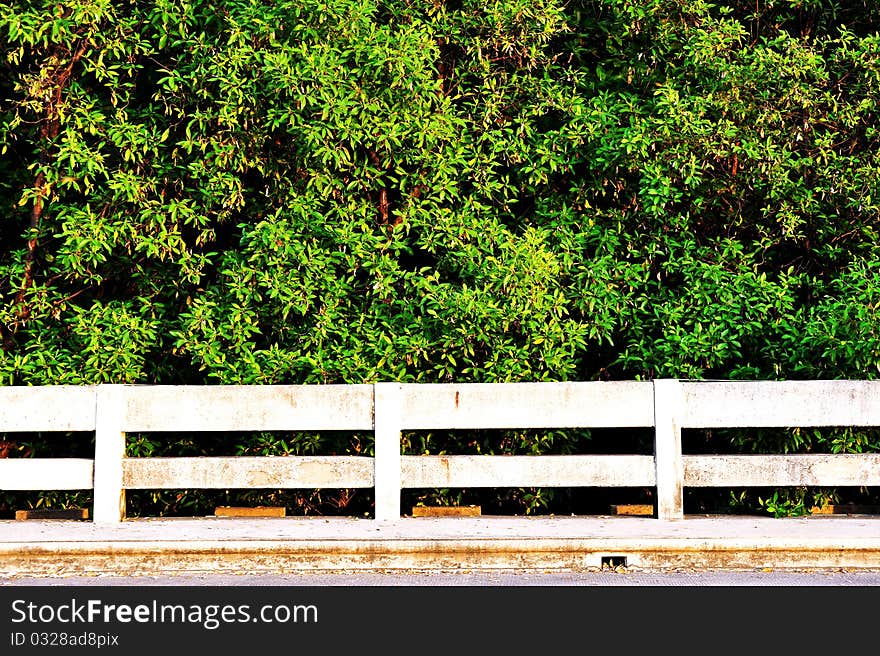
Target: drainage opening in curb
613,562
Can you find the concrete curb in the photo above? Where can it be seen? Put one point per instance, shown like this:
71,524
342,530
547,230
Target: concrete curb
283,545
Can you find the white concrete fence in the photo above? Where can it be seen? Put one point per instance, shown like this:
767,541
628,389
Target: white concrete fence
667,406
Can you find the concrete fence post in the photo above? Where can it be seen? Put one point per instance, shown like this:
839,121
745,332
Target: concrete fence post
387,409
668,462
109,495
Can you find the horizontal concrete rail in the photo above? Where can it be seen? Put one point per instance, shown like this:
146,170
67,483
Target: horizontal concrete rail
47,473
387,409
527,471
782,470
247,407
788,403
621,404
49,408
242,472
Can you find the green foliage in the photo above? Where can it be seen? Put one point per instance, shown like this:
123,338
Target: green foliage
339,191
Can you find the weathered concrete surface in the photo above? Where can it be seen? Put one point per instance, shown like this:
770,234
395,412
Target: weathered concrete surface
732,404
283,545
527,471
247,472
839,469
527,405
668,465
247,407
47,408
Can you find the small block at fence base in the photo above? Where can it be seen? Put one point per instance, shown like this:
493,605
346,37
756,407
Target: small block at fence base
845,509
71,513
633,509
446,511
257,511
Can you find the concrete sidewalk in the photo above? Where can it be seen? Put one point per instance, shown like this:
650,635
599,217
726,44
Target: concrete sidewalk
277,546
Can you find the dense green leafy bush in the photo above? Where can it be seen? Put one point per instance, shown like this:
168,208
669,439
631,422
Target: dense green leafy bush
343,191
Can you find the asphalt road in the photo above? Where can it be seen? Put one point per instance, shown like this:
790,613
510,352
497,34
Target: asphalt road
614,578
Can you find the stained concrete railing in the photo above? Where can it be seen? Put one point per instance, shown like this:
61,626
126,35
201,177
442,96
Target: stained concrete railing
667,406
